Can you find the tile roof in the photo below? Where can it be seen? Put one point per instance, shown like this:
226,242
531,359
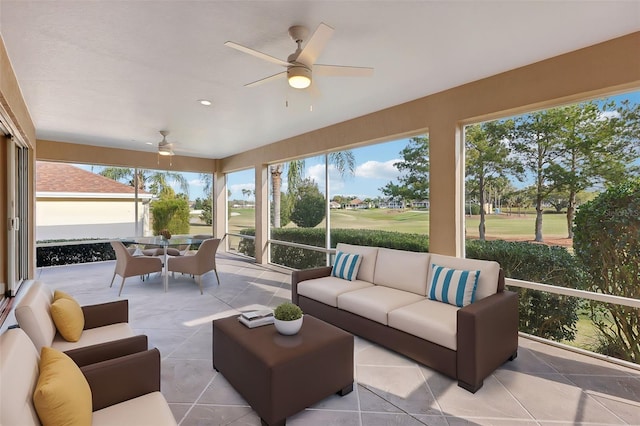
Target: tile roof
61,177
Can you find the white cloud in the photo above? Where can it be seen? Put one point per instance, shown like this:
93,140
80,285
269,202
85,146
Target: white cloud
240,186
607,115
197,183
378,170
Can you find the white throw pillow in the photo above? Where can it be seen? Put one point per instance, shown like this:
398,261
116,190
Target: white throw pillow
453,286
346,266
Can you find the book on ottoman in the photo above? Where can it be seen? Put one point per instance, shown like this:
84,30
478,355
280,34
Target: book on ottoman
256,318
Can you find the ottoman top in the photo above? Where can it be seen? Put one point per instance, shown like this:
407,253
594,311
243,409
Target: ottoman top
272,347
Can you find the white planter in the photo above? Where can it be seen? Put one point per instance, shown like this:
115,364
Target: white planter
288,328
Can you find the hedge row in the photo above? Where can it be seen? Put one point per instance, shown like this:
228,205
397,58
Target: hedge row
74,253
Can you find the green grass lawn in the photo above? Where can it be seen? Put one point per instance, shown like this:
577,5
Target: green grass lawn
498,226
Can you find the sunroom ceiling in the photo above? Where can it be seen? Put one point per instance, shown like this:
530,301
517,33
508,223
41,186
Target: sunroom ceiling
114,73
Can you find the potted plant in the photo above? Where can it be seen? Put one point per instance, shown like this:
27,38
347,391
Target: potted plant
288,318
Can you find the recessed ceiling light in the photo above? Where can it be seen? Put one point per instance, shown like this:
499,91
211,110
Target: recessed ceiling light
204,102
149,143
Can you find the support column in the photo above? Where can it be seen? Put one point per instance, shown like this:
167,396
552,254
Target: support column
220,206
262,213
446,194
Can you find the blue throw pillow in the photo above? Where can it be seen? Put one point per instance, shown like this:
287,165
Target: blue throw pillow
453,286
346,265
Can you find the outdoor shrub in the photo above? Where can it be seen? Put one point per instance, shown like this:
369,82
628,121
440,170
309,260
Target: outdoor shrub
171,214
299,258
83,252
309,205
607,243
541,314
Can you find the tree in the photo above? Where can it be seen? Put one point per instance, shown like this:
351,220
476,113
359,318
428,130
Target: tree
538,147
309,205
344,161
597,148
487,159
413,183
607,243
154,181
207,213
172,214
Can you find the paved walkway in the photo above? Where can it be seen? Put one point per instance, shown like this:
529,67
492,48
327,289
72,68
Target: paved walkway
543,386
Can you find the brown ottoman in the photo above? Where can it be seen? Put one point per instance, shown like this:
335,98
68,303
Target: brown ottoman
282,375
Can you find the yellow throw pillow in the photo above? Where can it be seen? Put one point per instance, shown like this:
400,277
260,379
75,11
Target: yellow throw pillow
61,295
62,396
68,318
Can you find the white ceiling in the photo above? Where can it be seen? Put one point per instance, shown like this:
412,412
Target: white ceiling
114,73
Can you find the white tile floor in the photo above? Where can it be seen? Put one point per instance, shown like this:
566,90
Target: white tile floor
543,386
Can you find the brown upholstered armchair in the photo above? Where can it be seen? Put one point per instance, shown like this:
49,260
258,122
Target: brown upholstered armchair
128,265
198,264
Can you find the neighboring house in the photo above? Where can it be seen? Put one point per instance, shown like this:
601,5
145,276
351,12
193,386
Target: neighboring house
356,203
334,205
73,203
391,204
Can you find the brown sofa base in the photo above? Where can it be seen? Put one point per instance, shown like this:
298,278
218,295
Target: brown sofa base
439,358
425,352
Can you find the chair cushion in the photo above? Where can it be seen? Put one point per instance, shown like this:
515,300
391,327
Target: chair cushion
94,336
376,301
346,265
33,316
453,286
403,270
327,289
62,395
68,317
18,378
430,320
368,262
149,409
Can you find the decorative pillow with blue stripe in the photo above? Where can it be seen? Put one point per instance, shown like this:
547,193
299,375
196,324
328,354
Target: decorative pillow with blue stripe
453,286
346,265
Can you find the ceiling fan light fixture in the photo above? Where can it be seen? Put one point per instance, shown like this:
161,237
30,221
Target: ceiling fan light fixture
165,150
299,76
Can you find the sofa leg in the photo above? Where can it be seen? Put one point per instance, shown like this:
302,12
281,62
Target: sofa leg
513,356
345,390
469,387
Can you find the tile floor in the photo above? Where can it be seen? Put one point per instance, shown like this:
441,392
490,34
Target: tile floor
544,386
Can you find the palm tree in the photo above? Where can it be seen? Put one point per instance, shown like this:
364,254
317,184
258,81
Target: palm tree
343,161
156,181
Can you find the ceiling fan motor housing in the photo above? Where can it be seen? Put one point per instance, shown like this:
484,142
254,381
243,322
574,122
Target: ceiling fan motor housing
299,76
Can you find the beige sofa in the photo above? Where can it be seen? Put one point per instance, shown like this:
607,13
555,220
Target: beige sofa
103,322
124,390
388,303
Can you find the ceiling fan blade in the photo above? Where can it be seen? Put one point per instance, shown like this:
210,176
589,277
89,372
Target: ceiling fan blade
267,79
340,71
257,54
315,45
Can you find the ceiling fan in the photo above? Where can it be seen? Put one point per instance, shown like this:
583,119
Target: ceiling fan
301,63
165,147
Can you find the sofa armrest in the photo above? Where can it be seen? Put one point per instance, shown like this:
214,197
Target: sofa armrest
306,274
105,314
121,379
108,350
487,337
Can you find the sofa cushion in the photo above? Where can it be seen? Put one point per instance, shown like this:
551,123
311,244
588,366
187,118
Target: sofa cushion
94,336
428,319
149,409
346,265
453,286
403,270
489,272
327,289
59,294
34,317
18,378
68,317
368,262
62,395
375,302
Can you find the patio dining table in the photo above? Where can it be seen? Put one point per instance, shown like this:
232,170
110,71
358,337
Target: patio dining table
163,243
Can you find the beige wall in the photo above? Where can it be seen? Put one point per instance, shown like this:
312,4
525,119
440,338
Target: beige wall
606,68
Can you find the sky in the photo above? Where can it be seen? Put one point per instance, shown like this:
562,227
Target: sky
374,169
